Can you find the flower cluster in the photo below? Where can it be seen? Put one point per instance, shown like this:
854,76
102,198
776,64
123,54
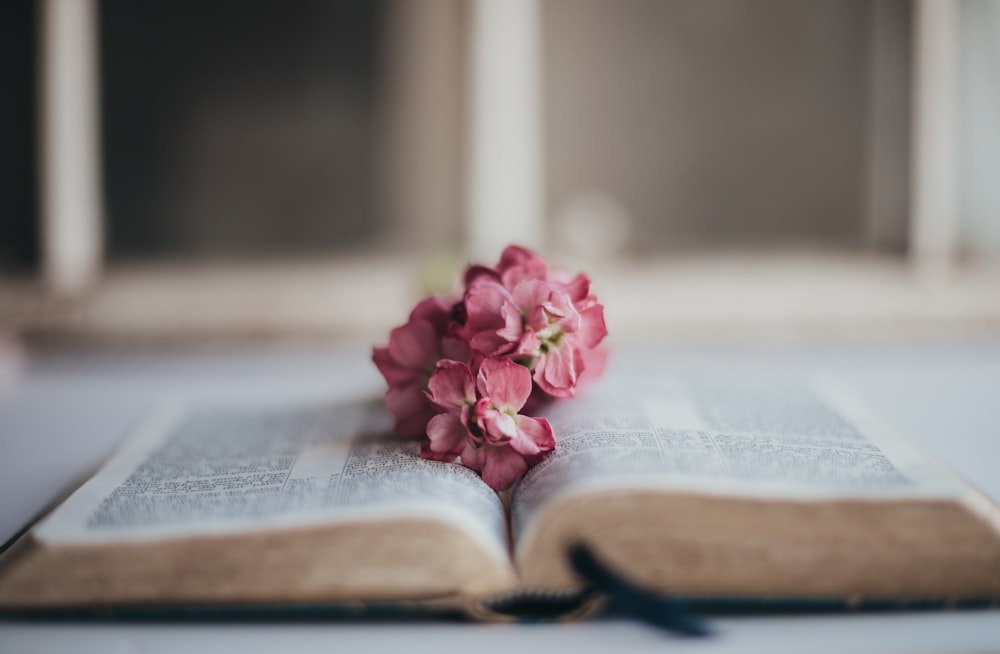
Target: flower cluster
462,371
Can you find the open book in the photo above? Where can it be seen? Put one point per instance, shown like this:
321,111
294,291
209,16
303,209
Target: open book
705,488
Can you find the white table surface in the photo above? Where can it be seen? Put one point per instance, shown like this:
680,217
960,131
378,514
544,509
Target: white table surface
62,414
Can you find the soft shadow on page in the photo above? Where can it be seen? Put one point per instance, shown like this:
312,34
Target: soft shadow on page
227,468
740,436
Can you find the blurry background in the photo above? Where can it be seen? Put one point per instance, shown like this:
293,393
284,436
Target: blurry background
724,169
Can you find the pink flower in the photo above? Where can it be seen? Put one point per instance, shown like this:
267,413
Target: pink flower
547,320
408,362
480,422
460,373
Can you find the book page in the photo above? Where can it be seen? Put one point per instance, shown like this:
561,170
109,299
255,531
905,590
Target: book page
232,468
757,437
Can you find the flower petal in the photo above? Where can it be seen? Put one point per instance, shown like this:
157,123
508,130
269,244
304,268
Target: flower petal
405,400
519,263
512,329
592,327
455,349
413,345
528,345
595,361
447,435
556,373
427,453
578,289
392,371
451,387
472,456
530,294
534,438
411,409
414,426
475,271
502,466
434,310
499,427
506,383
563,312
483,302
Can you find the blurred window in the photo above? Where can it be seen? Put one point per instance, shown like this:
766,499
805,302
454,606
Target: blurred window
237,127
306,144
256,128
18,228
684,124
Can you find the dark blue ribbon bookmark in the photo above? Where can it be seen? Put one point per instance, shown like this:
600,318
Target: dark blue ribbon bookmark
662,611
